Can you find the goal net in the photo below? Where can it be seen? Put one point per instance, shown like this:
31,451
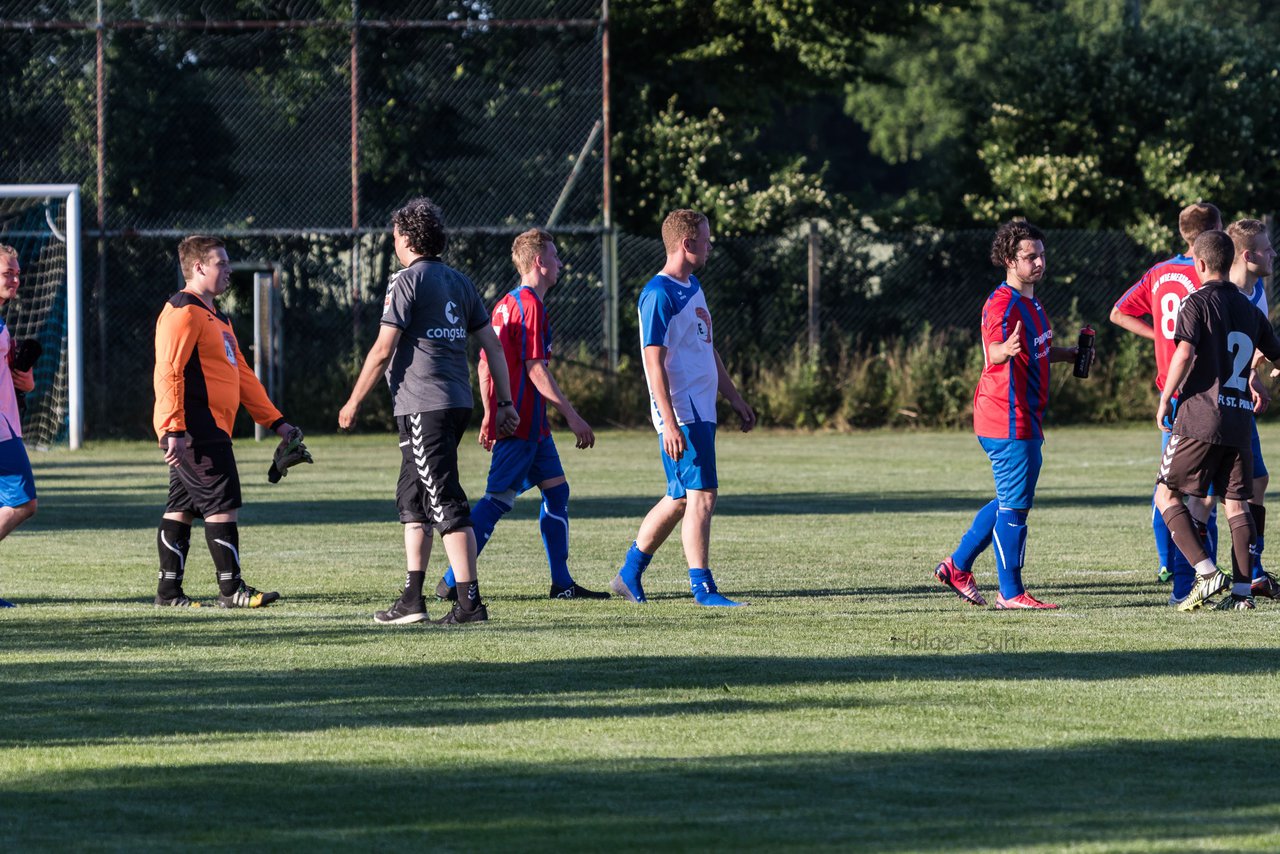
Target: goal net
42,224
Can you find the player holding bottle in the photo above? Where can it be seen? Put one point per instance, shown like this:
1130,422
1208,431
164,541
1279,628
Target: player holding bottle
1008,408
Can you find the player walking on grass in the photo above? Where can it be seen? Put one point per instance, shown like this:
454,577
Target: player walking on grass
1217,332
1008,408
684,372
17,483
1253,261
1157,295
201,378
421,347
528,457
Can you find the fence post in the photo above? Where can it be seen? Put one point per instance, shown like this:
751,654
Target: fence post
815,284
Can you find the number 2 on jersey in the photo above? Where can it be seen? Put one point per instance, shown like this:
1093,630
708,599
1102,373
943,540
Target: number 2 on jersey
1241,347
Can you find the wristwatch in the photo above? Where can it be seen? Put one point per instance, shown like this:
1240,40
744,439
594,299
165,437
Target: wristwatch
503,403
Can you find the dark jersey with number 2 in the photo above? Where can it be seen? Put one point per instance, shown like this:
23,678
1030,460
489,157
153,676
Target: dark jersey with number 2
1225,328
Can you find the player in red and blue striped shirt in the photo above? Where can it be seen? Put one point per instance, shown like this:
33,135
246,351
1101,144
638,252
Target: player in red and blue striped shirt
528,457
1008,409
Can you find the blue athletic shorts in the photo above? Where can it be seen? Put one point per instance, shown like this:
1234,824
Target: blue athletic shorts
17,483
697,468
522,464
1259,467
1016,466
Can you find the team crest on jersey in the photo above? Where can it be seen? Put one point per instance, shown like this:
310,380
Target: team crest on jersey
229,344
451,311
704,324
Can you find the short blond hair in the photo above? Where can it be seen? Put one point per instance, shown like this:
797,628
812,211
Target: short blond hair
194,249
528,247
8,251
1244,232
680,225
1196,219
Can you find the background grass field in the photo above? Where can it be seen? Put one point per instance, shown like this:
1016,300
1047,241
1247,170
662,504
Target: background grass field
855,704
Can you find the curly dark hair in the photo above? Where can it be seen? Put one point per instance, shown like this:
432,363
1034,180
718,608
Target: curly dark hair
1004,249
421,222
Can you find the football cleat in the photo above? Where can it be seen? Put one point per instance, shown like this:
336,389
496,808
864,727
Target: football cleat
457,616
1235,602
1164,576
575,591
1207,586
247,597
1023,601
1265,586
5,603
402,613
959,581
619,585
445,592
179,601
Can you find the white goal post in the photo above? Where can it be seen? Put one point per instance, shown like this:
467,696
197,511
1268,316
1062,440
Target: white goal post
70,195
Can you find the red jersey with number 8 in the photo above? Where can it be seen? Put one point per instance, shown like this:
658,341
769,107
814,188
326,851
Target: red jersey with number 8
1159,293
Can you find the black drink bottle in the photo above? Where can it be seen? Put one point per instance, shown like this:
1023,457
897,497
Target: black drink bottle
1084,350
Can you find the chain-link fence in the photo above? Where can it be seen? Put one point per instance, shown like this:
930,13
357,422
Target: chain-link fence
873,286
294,129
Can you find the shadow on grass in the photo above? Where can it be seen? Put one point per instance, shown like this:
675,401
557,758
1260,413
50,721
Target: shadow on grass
1114,795
93,700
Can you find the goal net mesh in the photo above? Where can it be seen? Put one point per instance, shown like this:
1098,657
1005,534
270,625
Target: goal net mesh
37,228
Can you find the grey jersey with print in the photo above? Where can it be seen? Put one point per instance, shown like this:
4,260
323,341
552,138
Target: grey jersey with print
434,307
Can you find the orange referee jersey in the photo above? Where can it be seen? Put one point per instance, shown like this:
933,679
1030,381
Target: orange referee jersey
201,376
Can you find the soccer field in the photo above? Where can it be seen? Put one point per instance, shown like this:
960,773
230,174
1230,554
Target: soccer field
855,704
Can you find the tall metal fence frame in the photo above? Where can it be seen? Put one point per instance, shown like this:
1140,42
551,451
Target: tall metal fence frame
100,229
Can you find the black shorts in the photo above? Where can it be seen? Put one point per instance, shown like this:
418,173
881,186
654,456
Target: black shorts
1191,466
206,483
429,489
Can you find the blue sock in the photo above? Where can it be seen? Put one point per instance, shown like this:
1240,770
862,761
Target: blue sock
1212,539
1011,544
554,522
484,517
703,587
1259,513
1166,552
633,566
977,538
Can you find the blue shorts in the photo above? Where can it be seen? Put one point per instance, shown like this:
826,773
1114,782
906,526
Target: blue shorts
522,464
697,468
1259,467
17,483
1016,466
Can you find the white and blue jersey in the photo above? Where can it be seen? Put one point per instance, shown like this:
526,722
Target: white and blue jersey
1259,297
674,315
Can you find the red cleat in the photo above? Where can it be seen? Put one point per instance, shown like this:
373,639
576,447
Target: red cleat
1022,601
959,581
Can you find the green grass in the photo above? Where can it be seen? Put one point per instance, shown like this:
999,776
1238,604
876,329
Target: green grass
855,704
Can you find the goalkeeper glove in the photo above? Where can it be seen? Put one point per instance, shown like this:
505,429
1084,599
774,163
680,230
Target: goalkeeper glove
289,453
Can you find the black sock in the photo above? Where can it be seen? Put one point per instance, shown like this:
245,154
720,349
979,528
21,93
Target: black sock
173,540
1241,539
413,586
468,595
224,544
1183,530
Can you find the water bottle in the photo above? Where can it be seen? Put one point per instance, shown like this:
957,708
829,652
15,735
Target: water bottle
1084,350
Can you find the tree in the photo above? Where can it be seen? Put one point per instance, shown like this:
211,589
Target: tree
1068,114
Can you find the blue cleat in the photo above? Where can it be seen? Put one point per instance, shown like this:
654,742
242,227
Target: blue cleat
632,592
703,587
5,603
